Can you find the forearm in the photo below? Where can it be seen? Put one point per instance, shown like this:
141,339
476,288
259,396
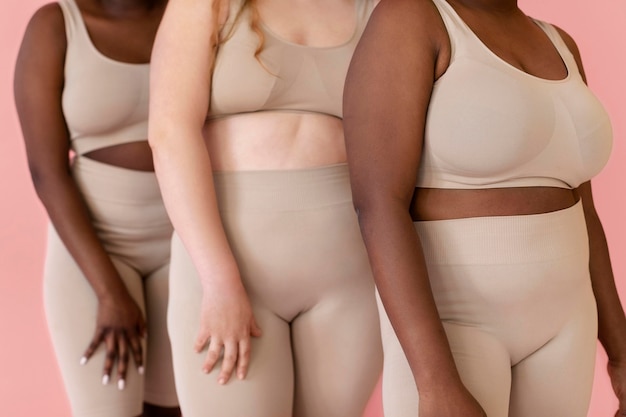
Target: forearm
402,280
186,181
71,219
611,319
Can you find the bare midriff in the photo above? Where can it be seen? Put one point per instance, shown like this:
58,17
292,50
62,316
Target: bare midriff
135,155
274,141
442,204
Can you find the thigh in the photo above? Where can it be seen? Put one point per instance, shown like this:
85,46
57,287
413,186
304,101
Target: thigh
159,377
71,309
267,390
484,366
556,380
337,353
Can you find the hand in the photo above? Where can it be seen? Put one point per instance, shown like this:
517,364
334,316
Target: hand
617,373
120,325
226,323
450,402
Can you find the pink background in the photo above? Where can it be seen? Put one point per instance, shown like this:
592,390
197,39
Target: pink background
29,382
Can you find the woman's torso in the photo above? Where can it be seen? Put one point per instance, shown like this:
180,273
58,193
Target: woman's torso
105,97
282,109
510,130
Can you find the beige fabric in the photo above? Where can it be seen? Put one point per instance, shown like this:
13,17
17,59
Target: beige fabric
131,221
286,77
515,297
303,263
491,125
105,102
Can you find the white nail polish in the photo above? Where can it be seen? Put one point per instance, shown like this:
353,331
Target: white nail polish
105,380
121,384
83,360
141,370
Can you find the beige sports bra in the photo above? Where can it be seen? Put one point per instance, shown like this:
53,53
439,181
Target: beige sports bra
491,125
105,102
295,78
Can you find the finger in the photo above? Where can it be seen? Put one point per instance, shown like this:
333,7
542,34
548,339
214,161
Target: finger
95,342
213,355
137,351
122,360
244,358
201,340
255,330
111,355
142,328
231,352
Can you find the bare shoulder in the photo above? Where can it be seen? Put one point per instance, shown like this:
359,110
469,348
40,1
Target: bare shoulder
410,25
417,15
46,30
408,21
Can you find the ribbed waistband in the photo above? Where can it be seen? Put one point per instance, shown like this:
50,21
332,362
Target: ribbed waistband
283,190
109,182
505,239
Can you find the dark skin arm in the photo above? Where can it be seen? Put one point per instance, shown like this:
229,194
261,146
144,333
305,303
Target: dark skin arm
403,50
38,86
611,318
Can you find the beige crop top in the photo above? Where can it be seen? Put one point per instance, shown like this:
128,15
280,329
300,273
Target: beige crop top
105,102
295,77
491,125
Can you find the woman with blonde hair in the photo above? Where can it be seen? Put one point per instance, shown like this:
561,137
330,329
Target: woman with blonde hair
270,281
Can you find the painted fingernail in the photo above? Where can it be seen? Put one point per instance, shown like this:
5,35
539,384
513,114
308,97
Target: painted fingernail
141,370
105,380
121,384
83,360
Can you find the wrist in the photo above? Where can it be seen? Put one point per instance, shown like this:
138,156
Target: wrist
112,294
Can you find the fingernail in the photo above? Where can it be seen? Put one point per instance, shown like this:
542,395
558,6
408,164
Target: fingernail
83,360
105,380
221,381
121,384
141,370
240,375
205,370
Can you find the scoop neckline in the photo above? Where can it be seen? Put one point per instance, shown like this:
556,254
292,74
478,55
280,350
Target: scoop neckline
508,64
281,39
97,51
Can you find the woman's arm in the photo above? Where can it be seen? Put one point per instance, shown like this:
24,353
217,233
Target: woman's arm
402,51
38,87
611,319
182,60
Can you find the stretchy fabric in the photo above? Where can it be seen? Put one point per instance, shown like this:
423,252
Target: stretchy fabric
514,294
132,224
105,102
303,263
509,128
285,76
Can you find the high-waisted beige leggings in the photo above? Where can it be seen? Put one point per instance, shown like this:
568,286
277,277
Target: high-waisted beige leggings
515,298
303,263
133,226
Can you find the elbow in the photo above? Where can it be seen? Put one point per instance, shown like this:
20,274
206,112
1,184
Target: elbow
45,181
366,208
